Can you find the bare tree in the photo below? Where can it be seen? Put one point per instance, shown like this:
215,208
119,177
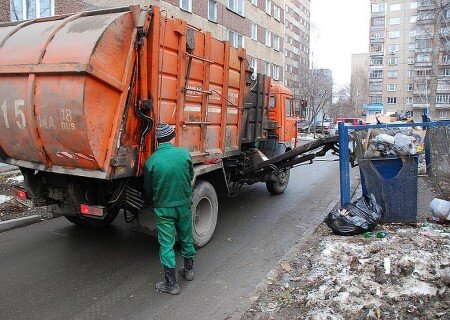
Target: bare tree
359,92
316,87
342,104
432,46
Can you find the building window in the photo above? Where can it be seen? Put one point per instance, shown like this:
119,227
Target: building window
409,87
394,34
267,68
376,48
391,87
375,86
254,31
254,64
377,61
443,98
236,39
412,33
268,38
379,7
393,60
277,12
376,74
410,60
393,21
186,5
392,74
212,10
276,72
411,46
446,72
377,35
236,6
276,43
413,19
422,57
409,100
413,5
26,9
410,73
443,114
395,7
392,100
393,47
269,7
377,22
376,99
255,3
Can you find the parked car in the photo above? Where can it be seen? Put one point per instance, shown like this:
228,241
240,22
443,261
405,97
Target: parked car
303,125
350,121
322,126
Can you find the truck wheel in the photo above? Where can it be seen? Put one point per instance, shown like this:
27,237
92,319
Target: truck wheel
93,223
204,212
280,183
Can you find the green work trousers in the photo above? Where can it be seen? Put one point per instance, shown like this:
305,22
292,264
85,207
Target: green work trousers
171,222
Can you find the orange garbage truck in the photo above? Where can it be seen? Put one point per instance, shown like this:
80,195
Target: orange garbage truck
80,96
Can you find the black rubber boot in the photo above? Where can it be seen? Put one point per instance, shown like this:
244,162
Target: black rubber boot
188,270
170,285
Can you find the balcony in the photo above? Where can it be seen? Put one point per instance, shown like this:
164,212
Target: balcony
424,6
377,53
420,105
376,40
442,106
378,14
422,64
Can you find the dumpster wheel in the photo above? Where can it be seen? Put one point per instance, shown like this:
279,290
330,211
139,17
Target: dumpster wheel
204,208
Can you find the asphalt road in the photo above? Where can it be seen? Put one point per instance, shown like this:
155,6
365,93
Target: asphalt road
55,270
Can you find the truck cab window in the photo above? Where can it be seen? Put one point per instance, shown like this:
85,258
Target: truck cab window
272,102
289,107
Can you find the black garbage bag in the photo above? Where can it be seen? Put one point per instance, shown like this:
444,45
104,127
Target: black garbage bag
355,218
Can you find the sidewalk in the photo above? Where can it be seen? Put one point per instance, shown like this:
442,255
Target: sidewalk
403,276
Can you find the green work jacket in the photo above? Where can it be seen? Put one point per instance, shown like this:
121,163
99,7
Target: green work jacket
167,176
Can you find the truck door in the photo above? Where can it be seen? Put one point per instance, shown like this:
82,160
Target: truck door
289,122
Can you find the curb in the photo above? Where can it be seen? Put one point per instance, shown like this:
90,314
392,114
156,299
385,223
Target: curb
288,256
19,222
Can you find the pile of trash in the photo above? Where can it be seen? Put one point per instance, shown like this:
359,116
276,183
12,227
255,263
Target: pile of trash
404,274
395,142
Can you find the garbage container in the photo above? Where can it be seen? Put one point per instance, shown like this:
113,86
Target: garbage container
393,181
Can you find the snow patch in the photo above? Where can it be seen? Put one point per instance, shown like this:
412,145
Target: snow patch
4,199
16,179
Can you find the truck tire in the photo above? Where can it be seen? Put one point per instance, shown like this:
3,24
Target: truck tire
91,222
280,183
204,208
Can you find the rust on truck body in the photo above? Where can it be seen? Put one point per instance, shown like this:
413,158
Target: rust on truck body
70,88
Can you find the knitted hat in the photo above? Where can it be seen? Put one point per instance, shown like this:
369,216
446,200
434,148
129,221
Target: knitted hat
164,132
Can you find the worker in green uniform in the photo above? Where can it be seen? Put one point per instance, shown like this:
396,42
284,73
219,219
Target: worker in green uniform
168,173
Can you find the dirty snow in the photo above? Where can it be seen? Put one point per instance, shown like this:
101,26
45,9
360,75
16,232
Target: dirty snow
347,278
16,179
4,199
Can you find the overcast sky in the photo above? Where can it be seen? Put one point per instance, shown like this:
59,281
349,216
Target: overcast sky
338,29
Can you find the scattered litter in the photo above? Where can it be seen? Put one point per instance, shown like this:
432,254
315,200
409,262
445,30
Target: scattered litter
404,276
440,210
355,218
394,142
286,266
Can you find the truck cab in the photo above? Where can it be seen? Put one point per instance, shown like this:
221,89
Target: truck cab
281,110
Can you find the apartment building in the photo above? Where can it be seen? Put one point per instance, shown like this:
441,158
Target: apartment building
432,64
275,33
410,57
392,55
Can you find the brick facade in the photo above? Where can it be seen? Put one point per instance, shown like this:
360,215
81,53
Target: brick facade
4,11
